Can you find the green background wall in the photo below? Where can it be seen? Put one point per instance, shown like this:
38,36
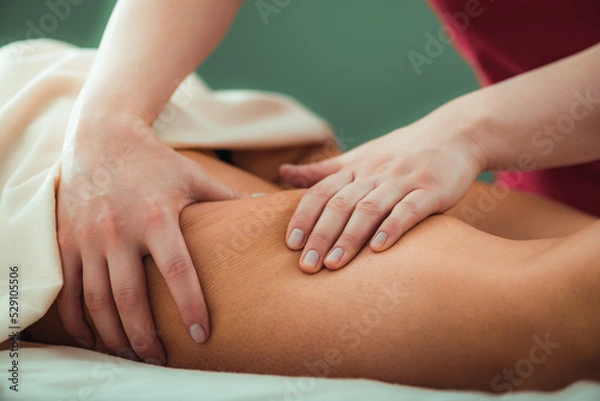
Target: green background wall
344,59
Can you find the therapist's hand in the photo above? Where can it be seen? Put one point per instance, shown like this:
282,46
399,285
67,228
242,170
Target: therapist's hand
378,191
120,194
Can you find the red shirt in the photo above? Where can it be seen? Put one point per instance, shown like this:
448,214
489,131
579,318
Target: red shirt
503,38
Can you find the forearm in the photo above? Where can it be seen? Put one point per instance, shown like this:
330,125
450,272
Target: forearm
149,47
545,118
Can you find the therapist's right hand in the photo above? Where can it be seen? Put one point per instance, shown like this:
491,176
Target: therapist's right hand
119,198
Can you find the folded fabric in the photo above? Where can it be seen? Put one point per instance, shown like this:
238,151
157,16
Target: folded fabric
37,92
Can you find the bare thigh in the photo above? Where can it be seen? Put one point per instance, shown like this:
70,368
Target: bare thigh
446,307
367,320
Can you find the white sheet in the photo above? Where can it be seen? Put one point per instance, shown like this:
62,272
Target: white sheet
69,374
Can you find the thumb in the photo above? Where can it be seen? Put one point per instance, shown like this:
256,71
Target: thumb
307,175
205,187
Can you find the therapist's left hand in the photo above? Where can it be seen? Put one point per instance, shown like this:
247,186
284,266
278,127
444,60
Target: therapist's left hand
379,190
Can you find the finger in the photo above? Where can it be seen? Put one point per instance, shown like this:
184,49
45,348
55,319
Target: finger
100,305
367,215
306,175
69,302
330,225
205,187
415,206
310,207
168,248
128,282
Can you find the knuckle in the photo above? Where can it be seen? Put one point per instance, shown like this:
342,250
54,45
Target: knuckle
95,301
392,226
301,217
299,180
352,238
108,222
427,177
127,299
85,232
435,200
339,203
411,208
404,167
141,344
156,213
143,337
189,308
177,267
369,207
65,297
319,192
319,238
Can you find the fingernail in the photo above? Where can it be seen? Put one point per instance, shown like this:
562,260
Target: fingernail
296,238
83,342
379,239
254,195
311,258
335,255
197,333
154,361
127,353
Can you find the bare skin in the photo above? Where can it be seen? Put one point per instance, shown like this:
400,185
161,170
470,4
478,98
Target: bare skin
449,306
379,190
115,110
436,159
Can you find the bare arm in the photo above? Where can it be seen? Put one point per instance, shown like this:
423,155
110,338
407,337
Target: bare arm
376,192
545,118
148,48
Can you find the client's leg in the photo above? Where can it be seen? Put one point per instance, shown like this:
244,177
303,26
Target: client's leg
447,306
430,311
